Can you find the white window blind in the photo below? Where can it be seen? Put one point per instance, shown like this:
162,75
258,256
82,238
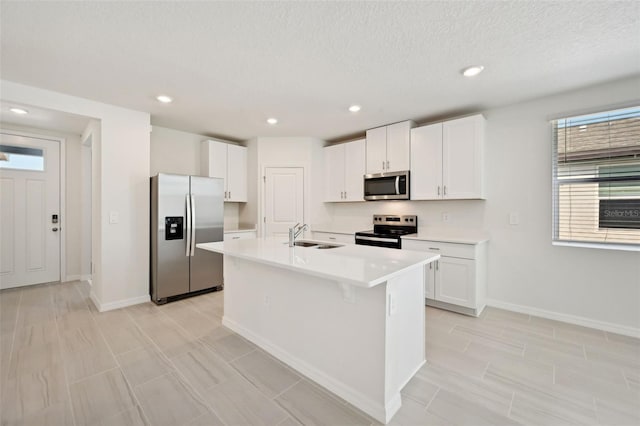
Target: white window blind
596,178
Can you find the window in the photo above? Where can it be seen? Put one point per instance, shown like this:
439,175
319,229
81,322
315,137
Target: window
21,158
596,178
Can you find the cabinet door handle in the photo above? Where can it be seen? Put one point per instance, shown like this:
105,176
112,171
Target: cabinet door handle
229,194
332,238
235,238
445,190
438,189
430,265
437,265
434,248
383,165
225,195
387,164
345,195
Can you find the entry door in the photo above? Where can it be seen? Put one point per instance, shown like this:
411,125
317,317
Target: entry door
29,199
284,199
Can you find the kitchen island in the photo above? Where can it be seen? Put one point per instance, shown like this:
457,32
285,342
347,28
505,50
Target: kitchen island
350,317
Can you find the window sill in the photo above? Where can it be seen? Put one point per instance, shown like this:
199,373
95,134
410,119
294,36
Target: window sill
603,246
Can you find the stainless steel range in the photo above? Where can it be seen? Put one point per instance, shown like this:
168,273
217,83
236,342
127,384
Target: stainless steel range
388,230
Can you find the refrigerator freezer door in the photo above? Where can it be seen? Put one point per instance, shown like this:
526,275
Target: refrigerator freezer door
169,263
208,222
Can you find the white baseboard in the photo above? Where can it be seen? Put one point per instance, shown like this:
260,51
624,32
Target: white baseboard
103,307
75,277
571,319
69,278
375,410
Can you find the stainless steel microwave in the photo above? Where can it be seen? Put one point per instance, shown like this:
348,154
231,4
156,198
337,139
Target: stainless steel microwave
386,186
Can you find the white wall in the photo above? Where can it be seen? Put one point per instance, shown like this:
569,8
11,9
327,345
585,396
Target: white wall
73,207
86,189
178,152
595,286
122,154
174,151
524,268
288,152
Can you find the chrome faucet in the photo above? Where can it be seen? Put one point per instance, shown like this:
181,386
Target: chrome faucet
295,231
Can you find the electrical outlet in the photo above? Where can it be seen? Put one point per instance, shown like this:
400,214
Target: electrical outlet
445,217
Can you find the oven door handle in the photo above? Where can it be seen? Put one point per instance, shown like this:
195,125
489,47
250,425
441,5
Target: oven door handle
381,239
397,185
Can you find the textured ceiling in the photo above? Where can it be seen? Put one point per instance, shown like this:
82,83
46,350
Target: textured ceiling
230,65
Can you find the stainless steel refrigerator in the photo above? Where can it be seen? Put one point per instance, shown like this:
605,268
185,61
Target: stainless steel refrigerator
185,210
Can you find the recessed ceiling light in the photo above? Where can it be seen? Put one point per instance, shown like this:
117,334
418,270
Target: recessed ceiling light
165,99
272,121
19,111
472,71
354,108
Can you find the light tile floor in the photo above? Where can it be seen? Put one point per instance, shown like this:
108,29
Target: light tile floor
63,363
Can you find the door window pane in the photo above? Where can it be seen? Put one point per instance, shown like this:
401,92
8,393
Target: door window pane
21,158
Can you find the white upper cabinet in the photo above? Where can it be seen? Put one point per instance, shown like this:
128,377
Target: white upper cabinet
376,150
227,161
447,160
344,167
426,162
388,148
236,173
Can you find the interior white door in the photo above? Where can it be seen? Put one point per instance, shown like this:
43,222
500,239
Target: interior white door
284,199
29,199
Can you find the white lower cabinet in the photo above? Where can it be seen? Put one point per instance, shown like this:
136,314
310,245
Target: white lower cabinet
457,281
239,235
334,237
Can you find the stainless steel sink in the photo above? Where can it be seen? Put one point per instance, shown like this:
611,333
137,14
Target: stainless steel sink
305,244
327,246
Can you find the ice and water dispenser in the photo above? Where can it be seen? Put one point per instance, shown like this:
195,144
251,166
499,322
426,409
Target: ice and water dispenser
173,229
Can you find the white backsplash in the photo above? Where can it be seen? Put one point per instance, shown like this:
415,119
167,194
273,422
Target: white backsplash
231,215
462,214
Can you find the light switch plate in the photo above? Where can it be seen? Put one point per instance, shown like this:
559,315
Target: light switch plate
113,217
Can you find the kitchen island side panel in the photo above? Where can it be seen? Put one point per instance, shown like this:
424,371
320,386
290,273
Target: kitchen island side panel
308,323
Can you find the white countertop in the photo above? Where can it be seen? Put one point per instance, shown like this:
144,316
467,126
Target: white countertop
362,266
449,236
340,228
239,228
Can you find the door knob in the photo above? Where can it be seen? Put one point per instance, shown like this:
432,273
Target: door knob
54,229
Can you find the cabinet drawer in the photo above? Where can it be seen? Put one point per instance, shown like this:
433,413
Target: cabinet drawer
239,235
338,238
464,251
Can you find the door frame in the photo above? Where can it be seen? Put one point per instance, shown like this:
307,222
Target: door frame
263,191
62,190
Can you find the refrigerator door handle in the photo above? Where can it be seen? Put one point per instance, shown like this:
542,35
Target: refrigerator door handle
188,204
193,226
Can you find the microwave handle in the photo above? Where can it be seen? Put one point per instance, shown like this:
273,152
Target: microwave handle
397,185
